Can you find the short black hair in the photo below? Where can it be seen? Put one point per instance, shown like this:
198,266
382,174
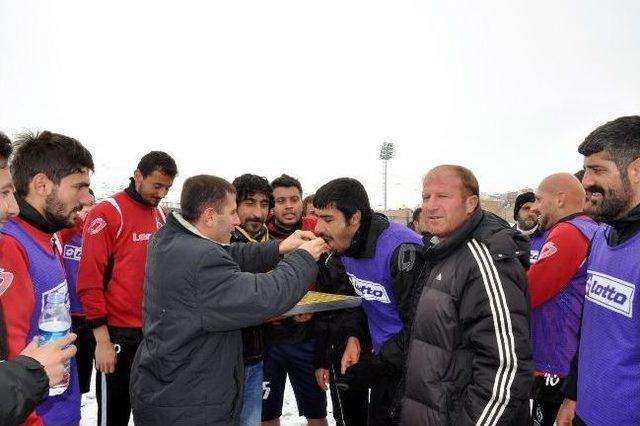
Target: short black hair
286,181
53,154
160,161
345,194
201,192
5,150
620,138
579,174
248,184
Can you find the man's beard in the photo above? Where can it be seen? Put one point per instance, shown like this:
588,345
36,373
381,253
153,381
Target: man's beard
613,201
253,226
54,212
527,225
151,201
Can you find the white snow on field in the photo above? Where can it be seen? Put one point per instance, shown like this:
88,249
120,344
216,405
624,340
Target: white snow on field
289,411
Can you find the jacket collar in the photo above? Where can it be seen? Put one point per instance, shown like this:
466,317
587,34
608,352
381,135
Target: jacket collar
241,234
437,249
29,214
625,228
529,233
365,239
134,195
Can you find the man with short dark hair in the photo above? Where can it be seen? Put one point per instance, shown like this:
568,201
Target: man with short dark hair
382,259
111,274
604,385
556,288
289,342
25,380
469,360
188,369
254,198
8,205
51,177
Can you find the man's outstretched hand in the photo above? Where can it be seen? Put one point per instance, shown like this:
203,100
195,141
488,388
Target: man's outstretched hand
295,240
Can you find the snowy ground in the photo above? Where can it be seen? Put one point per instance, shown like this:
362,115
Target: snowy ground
289,411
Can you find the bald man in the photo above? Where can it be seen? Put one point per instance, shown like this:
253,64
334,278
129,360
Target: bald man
557,287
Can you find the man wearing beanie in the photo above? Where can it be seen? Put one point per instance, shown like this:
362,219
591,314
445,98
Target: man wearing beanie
527,223
526,219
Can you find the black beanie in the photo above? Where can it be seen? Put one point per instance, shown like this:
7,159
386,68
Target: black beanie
522,199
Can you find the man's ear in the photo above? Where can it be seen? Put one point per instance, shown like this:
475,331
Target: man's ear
561,199
137,176
471,204
209,216
356,219
41,185
633,172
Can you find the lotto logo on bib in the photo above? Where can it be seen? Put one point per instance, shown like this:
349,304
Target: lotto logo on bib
611,293
72,252
533,256
369,290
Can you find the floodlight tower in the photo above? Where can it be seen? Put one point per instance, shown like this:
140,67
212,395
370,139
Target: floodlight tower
386,154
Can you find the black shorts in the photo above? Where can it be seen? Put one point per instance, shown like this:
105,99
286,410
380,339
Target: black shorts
547,398
295,360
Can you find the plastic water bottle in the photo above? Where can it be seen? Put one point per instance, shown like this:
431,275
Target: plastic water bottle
55,322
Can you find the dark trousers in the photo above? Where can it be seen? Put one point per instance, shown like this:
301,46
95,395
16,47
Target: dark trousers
112,389
86,347
381,403
350,406
547,398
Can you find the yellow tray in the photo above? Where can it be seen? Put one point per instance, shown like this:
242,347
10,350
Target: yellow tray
315,301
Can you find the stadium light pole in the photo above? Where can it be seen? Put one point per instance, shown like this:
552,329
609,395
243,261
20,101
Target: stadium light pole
386,154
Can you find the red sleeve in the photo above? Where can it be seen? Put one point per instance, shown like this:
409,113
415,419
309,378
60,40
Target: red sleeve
16,291
561,255
98,240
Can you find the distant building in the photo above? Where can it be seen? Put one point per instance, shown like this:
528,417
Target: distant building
169,206
402,216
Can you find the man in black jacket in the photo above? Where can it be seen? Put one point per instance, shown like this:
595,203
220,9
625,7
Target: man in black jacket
469,360
382,260
25,380
254,199
199,292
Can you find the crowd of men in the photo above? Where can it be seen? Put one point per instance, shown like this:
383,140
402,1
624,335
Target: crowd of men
464,319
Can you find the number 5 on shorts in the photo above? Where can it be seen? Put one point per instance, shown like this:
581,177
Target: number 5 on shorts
266,390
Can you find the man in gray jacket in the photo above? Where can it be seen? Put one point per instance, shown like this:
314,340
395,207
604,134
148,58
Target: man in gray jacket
199,292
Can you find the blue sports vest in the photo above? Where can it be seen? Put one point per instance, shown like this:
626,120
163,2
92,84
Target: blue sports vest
555,324
609,358
371,279
535,245
72,251
48,276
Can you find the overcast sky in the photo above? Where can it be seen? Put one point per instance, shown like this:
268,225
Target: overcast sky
312,88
